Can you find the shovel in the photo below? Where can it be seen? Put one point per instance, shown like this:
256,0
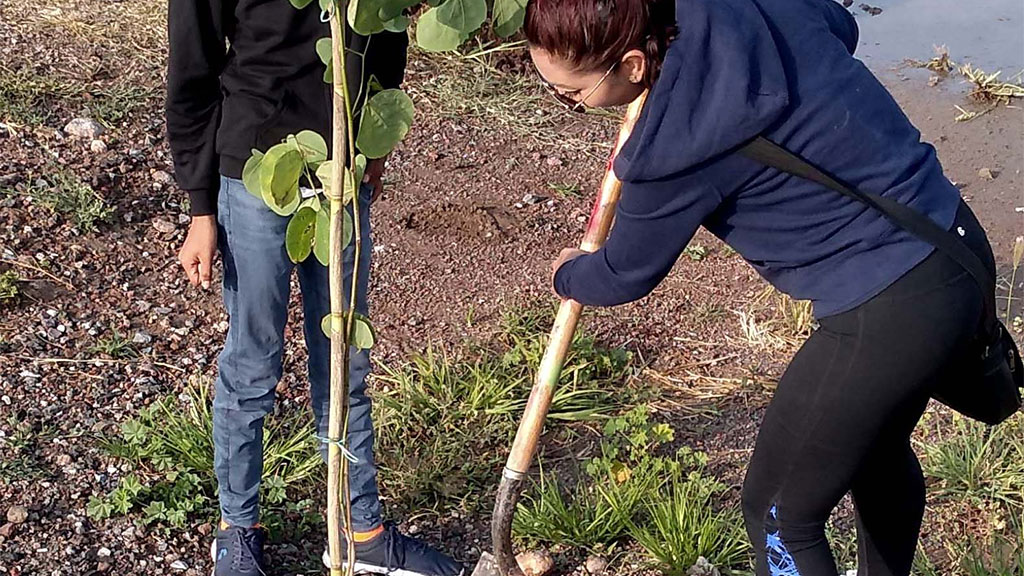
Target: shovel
503,561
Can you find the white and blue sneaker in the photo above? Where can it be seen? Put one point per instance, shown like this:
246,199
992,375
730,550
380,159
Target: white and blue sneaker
238,551
395,554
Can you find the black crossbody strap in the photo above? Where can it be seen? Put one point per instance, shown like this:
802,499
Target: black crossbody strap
771,154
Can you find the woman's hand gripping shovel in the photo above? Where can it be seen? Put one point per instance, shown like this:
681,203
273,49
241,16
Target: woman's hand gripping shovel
503,562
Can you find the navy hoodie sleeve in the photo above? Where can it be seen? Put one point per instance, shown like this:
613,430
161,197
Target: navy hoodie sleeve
654,222
198,52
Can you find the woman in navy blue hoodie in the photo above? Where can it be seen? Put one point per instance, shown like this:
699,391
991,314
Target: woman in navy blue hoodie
895,316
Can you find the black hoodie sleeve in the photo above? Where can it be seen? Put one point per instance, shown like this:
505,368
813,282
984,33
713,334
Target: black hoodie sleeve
654,222
196,31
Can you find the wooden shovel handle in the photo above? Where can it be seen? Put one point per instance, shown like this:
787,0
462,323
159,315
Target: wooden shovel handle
600,223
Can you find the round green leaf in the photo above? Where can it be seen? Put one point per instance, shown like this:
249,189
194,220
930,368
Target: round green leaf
433,36
363,16
312,146
324,50
322,241
385,120
466,16
397,24
300,4
251,174
298,238
391,9
353,181
325,5
362,333
279,178
323,174
507,16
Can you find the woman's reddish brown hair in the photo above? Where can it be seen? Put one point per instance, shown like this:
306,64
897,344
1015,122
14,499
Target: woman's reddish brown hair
592,35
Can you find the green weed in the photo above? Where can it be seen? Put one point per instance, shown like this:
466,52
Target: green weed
444,423
114,346
666,504
27,98
566,189
64,193
696,252
9,286
170,444
978,463
999,556
20,449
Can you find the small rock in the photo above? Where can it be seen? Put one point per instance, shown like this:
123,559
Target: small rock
847,3
104,552
4,130
987,174
163,226
184,219
7,530
162,177
205,528
553,161
142,338
179,565
97,147
596,565
703,568
103,566
17,514
934,80
535,562
532,199
84,128
873,10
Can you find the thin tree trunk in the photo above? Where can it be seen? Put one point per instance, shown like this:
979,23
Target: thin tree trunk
337,487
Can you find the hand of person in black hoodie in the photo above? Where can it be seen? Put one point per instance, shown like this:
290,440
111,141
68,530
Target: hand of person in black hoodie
373,176
200,247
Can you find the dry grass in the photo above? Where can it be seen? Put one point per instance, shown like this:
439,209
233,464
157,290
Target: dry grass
988,87
941,63
475,89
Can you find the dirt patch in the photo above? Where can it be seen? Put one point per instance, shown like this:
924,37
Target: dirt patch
462,222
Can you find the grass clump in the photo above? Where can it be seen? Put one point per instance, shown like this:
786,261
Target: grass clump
170,447
445,423
62,192
114,346
633,491
9,290
978,463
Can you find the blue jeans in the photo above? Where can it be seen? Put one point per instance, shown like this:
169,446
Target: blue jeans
257,273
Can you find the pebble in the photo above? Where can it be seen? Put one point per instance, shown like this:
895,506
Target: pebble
84,128
535,562
142,338
162,177
531,199
163,226
104,552
703,568
179,565
986,174
184,218
7,530
596,565
97,147
4,130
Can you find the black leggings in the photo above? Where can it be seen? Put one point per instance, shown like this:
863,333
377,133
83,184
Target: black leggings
842,417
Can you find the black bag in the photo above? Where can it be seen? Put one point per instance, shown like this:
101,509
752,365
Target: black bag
995,376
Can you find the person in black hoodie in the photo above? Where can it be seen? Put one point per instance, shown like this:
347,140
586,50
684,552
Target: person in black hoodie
897,318
243,74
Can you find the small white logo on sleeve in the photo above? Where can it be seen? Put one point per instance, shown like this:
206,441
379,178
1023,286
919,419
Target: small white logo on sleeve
960,230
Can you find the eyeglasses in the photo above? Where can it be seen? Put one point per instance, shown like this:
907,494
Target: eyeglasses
572,104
